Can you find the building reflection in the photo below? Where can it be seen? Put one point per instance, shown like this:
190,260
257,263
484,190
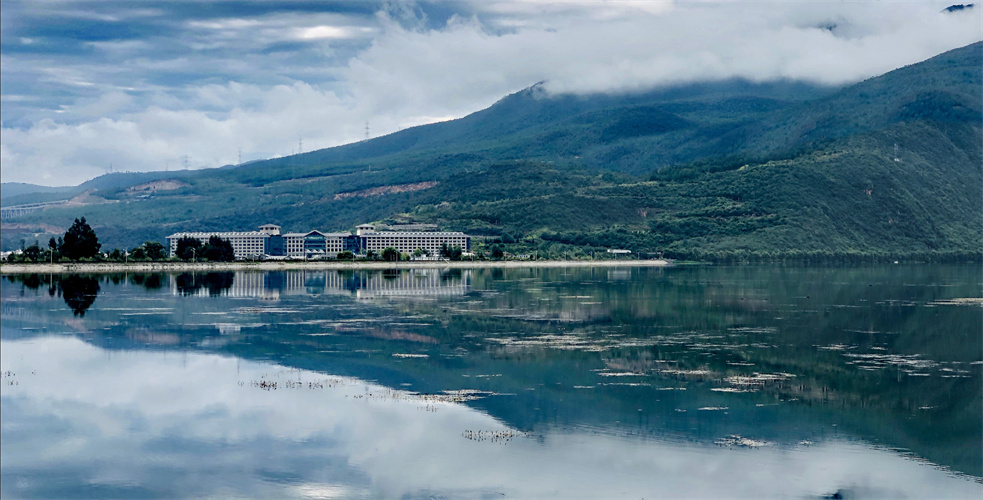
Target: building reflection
392,283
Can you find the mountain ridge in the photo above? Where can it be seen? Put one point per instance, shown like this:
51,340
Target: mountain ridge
714,170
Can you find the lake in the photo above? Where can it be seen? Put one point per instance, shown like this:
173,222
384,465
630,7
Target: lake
686,381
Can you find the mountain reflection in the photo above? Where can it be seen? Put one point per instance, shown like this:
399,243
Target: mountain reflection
260,430
726,356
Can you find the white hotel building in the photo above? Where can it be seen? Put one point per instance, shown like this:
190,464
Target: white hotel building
269,243
407,242
246,245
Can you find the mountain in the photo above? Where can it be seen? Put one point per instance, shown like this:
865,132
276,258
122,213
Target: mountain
17,193
22,190
888,168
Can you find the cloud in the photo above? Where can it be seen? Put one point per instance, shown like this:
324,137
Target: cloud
259,80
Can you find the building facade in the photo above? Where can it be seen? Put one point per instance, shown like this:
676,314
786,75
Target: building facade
313,245
369,239
245,245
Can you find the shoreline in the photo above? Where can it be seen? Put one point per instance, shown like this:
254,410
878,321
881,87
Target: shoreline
168,267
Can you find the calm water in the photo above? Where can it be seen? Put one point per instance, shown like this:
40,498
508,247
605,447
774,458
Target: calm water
707,382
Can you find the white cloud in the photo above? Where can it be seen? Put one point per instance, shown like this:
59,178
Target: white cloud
329,32
409,75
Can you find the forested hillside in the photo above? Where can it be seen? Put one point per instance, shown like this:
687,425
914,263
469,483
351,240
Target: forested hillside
888,168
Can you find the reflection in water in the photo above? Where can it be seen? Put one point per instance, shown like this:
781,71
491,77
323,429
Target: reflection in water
267,285
79,292
705,382
241,435
212,284
362,284
148,281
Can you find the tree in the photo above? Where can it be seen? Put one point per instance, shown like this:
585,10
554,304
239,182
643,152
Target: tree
345,255
497,252
53,249
80,241
138,253
155,250
419,252
188,248
390,254
218,250
32,252
452,253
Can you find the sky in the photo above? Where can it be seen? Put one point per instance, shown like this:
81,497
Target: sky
89,86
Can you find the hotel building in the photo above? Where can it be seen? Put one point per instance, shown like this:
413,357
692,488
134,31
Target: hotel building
407,242
245,245
269,243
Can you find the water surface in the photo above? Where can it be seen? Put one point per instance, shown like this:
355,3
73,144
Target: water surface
703,382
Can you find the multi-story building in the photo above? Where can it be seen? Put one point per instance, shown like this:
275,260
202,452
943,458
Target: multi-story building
269,243
313,244
368,239
245,245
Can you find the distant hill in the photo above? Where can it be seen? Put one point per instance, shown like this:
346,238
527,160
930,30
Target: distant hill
21,193
887,168
20,190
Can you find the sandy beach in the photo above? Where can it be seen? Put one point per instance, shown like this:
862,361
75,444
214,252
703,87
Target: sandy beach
169,267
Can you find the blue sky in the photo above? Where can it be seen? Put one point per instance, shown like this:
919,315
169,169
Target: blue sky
85,84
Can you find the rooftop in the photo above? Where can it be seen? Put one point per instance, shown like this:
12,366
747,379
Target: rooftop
199,234
414,233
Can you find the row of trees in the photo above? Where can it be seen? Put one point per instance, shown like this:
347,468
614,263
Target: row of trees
216,250
80,243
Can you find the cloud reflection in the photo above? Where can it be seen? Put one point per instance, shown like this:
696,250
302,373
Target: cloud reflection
76,418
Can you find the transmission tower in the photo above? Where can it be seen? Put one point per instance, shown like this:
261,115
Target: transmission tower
366,130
